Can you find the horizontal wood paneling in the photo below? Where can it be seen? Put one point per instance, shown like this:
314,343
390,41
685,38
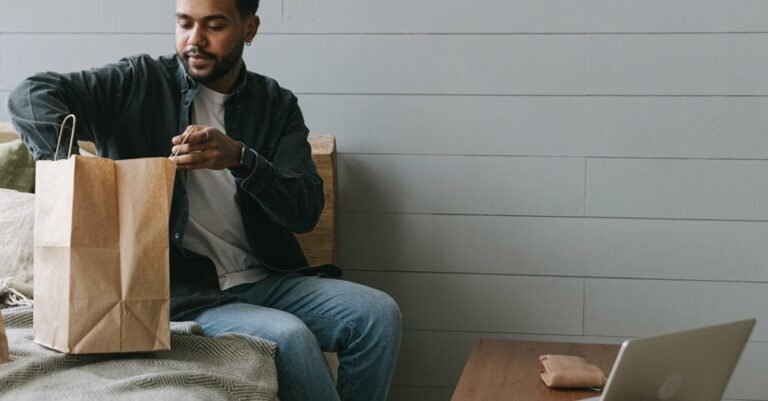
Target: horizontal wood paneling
347,63
462,184
695,189
437,358
24,55
521,64
449,64
677,64
729,127
426,64
407,17
81,16
666,249
650,307
424,16
482,303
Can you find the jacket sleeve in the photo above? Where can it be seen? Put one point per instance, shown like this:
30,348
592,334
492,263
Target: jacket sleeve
288,187
96,97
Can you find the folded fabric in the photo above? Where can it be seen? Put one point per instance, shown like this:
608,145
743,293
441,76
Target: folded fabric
14,293
565,371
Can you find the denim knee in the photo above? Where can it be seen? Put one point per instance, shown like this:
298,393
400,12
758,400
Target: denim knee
292,334
383,314
391,311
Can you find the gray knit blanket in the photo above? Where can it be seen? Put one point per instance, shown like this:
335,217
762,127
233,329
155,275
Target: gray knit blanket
229,367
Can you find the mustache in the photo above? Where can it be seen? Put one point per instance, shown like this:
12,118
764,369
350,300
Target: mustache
196,51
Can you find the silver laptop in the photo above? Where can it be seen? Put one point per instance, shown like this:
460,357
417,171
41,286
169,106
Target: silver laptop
692,365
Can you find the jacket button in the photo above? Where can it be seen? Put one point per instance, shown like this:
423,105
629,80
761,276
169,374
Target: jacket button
177,235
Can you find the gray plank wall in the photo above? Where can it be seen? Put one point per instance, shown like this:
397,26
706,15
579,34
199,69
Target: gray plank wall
535,169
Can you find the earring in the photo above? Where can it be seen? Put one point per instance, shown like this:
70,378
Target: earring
248,42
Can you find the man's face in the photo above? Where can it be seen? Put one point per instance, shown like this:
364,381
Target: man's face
209,38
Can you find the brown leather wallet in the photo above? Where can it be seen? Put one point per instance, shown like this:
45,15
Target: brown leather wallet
565,371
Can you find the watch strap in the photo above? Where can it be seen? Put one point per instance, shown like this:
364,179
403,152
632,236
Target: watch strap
242,168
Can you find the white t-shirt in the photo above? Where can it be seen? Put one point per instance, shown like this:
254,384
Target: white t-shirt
215,226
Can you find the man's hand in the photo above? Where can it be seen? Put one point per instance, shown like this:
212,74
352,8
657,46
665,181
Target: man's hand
206,147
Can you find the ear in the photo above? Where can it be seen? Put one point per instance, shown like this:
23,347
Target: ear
252,23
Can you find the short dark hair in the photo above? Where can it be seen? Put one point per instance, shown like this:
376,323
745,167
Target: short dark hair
247,7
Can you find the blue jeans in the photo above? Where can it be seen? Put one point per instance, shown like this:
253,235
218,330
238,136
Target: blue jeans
306,315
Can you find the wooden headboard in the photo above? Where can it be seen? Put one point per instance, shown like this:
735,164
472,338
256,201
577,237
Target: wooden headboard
320,245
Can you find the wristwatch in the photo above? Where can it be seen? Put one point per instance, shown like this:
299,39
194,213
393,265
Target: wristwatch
248,159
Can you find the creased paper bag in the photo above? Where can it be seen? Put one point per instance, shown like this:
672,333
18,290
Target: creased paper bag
101,254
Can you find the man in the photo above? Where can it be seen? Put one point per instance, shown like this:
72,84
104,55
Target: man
246,184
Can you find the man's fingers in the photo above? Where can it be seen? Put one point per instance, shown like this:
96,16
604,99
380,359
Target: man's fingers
192,160
202,146
179,139
188,148
182,138
200,135
193,134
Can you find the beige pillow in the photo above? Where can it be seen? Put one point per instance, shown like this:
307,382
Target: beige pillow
17,222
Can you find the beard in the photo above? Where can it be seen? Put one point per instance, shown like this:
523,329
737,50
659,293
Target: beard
221,65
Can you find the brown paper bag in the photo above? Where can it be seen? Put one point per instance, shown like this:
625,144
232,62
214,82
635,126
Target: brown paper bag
101,254
4,355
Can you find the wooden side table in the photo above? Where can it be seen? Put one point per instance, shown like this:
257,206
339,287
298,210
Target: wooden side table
502,370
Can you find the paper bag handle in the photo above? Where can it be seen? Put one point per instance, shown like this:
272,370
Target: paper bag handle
183,141
71,140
